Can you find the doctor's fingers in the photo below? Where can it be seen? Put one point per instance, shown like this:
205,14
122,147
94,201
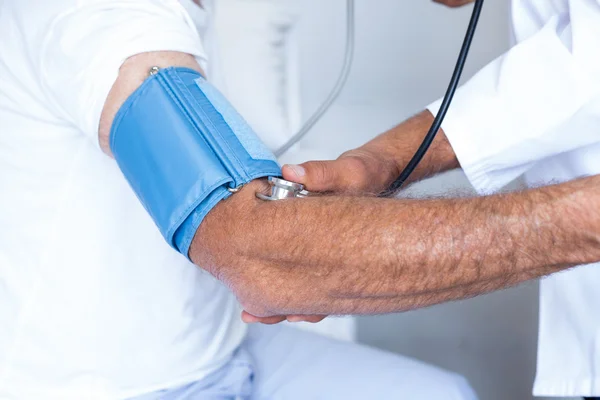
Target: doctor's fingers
348,174
252,319
312,319
319,176
454,3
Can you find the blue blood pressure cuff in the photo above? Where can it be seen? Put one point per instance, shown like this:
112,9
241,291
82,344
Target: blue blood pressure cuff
183,148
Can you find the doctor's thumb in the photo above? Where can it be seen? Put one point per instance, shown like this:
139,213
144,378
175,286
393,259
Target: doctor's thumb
317,176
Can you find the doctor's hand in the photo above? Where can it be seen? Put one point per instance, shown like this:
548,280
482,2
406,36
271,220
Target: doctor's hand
359,171
373,167
454,3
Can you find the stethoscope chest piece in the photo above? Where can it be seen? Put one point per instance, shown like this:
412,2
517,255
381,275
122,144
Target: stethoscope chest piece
282,189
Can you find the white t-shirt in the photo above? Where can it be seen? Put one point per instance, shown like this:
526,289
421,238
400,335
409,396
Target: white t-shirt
93,303
536,111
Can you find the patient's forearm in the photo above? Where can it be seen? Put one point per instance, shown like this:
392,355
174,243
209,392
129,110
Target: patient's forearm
377,305
365,255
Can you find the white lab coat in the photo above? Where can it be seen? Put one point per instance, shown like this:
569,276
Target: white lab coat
536,111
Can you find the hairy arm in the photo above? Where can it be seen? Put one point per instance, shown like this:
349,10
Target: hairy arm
348,255
345,255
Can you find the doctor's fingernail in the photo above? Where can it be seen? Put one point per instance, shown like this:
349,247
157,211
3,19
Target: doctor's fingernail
298,170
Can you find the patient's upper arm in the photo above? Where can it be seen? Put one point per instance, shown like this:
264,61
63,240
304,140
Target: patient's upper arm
131,75
92,55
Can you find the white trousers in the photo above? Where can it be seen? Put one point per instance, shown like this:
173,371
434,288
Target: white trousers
283,363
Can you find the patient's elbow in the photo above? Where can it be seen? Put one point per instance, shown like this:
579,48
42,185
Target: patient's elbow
265,293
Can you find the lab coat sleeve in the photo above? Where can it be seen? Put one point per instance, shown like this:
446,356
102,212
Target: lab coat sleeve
85,43
538,100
